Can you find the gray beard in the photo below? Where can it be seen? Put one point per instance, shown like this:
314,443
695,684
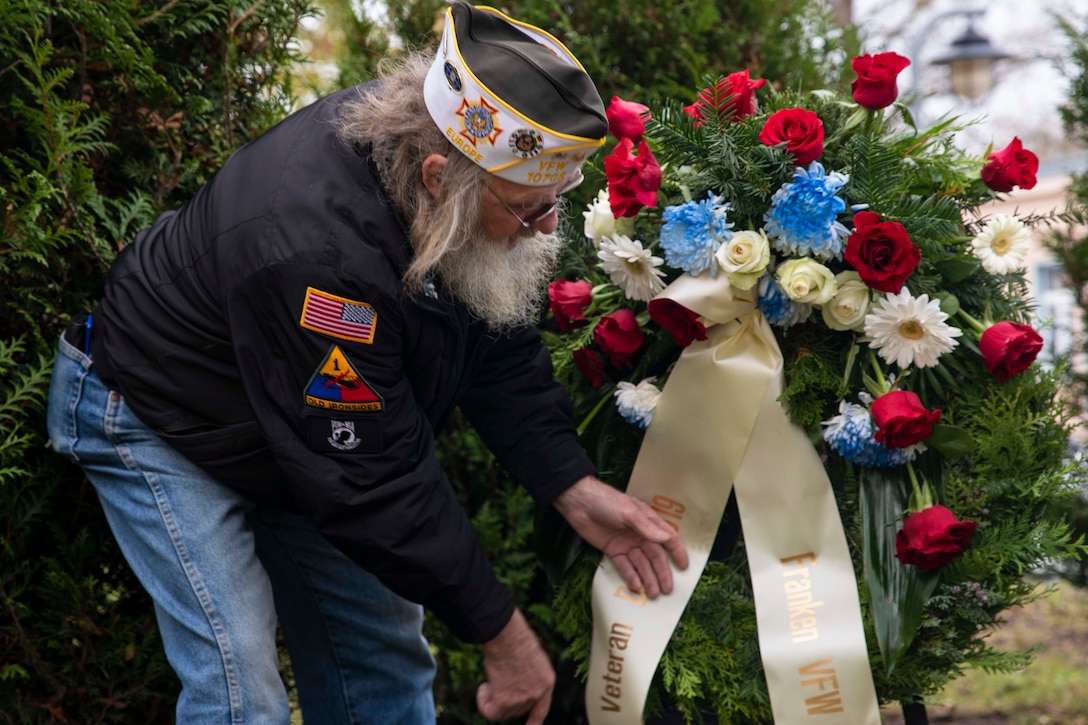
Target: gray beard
503,287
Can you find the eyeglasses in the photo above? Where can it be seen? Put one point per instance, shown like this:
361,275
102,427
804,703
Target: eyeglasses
542,212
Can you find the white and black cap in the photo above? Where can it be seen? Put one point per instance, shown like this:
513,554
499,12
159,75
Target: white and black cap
512,98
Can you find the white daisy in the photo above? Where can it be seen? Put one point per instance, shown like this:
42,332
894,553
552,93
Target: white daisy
1002,244
909,330
636,403
632,268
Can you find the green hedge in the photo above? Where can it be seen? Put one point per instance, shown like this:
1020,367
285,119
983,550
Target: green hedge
109,113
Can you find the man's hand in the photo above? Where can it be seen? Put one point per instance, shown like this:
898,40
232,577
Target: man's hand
631,533
520,678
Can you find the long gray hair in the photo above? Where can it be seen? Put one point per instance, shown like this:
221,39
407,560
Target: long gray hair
395,122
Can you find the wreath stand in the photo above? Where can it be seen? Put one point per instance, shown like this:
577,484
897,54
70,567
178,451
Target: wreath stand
915,714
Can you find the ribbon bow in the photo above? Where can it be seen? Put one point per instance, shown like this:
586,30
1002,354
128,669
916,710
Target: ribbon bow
718,426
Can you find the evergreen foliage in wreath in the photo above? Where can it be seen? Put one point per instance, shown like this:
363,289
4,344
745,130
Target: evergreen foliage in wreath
900,308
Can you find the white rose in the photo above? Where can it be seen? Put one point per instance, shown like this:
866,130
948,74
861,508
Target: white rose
806,280
599,220
847,309
744,257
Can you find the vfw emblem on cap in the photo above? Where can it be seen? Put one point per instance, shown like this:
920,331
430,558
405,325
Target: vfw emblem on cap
479,121
343,435
526,143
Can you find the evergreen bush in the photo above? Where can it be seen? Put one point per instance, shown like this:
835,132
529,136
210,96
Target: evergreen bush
111,112
1069,243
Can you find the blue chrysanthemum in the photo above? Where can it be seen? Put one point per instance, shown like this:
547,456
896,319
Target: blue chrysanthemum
850,434
776,305
802,218
638,418
693,232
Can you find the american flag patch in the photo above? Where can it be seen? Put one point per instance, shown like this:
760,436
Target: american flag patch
338,316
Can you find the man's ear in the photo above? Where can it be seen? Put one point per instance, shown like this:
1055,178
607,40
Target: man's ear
432,173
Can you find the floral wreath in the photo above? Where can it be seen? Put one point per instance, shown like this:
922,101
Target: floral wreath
900,309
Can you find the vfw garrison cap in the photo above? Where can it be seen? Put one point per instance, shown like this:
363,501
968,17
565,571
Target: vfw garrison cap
512,98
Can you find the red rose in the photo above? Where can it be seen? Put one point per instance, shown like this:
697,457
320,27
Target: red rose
632,180
881,252
731,99
568,301
802,131
1009,348
1012,166
589,363
875,86
681,322
933,537
626,119
901,420
618,334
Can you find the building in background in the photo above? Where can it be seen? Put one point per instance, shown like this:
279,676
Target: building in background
1056,309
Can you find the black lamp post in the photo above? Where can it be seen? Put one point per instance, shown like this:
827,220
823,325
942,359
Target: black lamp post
970,58
970,62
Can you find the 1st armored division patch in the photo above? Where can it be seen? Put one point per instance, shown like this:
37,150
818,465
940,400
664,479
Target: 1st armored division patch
337,385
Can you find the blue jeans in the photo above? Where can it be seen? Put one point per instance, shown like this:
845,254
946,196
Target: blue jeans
220,569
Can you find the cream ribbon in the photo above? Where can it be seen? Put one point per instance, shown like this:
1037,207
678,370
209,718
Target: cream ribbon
718,425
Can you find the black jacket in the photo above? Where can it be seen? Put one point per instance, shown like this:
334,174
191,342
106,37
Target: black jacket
263,331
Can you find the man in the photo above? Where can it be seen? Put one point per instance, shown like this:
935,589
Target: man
256,396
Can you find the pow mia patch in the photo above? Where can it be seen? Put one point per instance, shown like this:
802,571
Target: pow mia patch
526,143
337,385
343,436
350,435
